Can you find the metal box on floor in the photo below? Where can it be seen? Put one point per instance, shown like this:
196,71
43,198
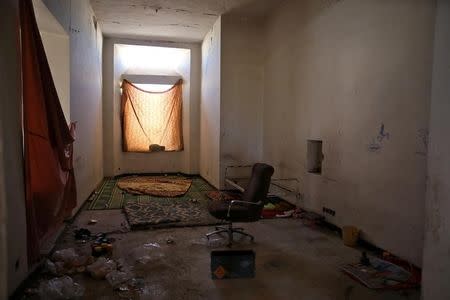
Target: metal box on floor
227,264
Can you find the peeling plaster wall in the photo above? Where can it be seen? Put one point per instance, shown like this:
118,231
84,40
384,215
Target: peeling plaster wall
242,77
117,162
210,106
357,75
436,264
12,192
86,42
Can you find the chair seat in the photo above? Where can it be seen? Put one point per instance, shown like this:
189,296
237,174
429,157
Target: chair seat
238,213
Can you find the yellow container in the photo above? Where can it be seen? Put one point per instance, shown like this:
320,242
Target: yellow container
350,235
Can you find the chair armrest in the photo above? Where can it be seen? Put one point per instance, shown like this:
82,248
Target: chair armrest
240,202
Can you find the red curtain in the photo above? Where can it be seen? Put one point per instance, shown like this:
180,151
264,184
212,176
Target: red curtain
49,176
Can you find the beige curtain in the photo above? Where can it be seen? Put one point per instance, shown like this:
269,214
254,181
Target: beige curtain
151,118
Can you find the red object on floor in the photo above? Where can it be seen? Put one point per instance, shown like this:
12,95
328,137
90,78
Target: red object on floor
49,176
416,273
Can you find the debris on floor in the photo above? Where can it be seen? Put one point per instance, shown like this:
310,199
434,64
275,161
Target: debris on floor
285,214
60,288
92,222
102,246
67,261
147,253
376,273
82,234
101,267
311,219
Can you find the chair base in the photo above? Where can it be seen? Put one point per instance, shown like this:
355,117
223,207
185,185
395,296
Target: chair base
230,230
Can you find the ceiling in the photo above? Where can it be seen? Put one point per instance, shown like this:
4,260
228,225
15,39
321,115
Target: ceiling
178,20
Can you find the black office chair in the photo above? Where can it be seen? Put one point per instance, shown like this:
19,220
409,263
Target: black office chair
246,210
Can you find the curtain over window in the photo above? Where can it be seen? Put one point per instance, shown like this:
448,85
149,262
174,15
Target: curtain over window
151,121
49,176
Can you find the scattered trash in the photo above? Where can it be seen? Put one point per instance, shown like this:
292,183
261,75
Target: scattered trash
50,267
102,245
92,222
101,268
311,218
149,252
67,261
60,288
364,260
285,214
170,241
297,213
123,288
377,273
137,283
152,245
65,255
194,200
115,278
99,249
82,234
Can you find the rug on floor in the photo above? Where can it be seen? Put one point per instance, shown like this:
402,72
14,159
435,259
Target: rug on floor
274,206
169,212
159,186
110,196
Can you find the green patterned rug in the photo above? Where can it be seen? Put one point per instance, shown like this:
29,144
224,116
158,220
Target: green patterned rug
169,212
110,196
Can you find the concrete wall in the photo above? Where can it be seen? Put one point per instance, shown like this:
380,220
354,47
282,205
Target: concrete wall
12,193
436,264
210,105
57,47
355,74
85,108
117,162
3,227
242,77
77,18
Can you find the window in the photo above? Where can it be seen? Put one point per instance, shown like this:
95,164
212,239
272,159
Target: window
151,117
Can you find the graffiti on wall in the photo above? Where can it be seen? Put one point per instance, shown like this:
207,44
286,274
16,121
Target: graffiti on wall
378,142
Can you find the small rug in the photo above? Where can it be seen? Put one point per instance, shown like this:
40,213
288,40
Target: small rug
159,186
275,205
110,196
168,212
381,274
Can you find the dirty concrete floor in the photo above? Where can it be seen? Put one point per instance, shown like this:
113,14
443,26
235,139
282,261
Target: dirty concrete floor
293,261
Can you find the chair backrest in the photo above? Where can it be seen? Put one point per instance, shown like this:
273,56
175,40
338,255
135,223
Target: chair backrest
259,184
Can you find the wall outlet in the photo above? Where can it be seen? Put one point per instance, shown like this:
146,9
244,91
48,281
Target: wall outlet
328,211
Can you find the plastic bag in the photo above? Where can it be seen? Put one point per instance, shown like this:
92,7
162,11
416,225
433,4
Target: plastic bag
60,288
115,278
150,252
101,268
50,267
65,255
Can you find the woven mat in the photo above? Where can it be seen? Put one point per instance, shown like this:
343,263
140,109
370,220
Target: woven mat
169,212
110,196
159,186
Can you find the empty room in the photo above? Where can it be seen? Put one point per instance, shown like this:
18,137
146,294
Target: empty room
225,149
